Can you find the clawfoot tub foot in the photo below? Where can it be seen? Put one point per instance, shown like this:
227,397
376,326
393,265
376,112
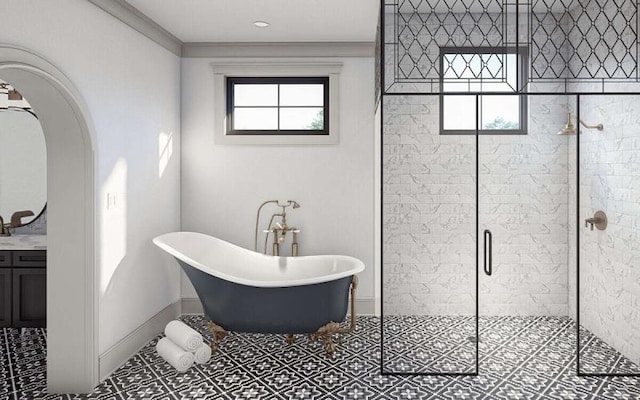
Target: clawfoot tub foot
218,334
290,339
326,333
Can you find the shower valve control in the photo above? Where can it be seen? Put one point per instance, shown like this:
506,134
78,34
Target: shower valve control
599,220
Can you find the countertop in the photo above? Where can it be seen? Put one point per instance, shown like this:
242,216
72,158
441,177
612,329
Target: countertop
23,242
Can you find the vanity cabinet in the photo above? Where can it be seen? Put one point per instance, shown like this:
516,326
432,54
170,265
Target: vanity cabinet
5,297
23,279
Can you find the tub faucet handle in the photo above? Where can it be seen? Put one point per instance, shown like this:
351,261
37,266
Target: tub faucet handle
589,221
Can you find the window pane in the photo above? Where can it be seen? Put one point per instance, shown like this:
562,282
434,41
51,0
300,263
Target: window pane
500,72
500,112
455,85
255,118
302,118
513,64
255,95
498,86
459,112
462,66
302,95
493,66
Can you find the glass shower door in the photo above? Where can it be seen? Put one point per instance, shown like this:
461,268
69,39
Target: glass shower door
429,271
523,214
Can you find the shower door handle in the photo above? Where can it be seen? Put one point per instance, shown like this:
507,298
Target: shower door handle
488,254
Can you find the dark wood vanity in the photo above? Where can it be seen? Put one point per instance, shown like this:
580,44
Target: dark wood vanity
23,286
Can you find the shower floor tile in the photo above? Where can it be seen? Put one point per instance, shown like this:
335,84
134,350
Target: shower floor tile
520,358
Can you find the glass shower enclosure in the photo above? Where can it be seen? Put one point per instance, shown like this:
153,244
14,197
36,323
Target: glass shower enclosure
494,172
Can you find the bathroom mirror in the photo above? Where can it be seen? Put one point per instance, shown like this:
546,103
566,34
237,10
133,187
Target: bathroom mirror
23,163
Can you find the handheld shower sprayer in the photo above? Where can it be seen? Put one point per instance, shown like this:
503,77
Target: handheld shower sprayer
255,242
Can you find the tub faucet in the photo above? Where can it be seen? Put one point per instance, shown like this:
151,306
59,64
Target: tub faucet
294,244
280,229
279,234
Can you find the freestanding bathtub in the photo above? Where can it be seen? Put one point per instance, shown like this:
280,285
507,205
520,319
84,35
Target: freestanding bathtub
245,291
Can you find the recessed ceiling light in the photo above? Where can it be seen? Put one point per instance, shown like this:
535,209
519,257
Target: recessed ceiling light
261,24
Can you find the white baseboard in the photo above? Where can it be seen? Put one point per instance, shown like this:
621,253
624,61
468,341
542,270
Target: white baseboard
191,305
366,306
120,352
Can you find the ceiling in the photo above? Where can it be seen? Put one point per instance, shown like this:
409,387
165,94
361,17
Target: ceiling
291,20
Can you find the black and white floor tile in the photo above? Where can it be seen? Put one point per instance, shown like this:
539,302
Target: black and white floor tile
446,344
23,364
598,357
520,358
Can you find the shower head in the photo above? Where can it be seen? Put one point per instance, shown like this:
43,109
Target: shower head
570,128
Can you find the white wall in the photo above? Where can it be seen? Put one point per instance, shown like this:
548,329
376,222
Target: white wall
223,185
132,89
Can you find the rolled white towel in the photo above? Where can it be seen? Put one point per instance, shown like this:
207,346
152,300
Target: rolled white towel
202,354
182,335
179,359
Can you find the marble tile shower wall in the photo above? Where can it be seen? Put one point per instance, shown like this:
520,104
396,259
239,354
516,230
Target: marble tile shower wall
429,213
610,259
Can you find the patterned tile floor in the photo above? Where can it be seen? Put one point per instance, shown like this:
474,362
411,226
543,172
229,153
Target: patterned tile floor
447,344
521,358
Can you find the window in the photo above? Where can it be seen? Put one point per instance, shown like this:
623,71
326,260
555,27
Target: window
276,105
268,102
483,70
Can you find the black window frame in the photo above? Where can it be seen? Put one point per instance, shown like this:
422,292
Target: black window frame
522,76
254,80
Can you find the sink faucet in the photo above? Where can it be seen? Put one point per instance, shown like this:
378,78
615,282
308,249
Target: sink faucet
4,231
16,218
16,221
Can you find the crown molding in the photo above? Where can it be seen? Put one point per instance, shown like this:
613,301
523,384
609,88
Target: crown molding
278,49
134,18
131,16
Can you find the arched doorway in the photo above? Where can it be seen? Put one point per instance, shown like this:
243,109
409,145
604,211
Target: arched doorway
72,352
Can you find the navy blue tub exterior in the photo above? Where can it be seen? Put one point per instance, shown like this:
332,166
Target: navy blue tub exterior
294,309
